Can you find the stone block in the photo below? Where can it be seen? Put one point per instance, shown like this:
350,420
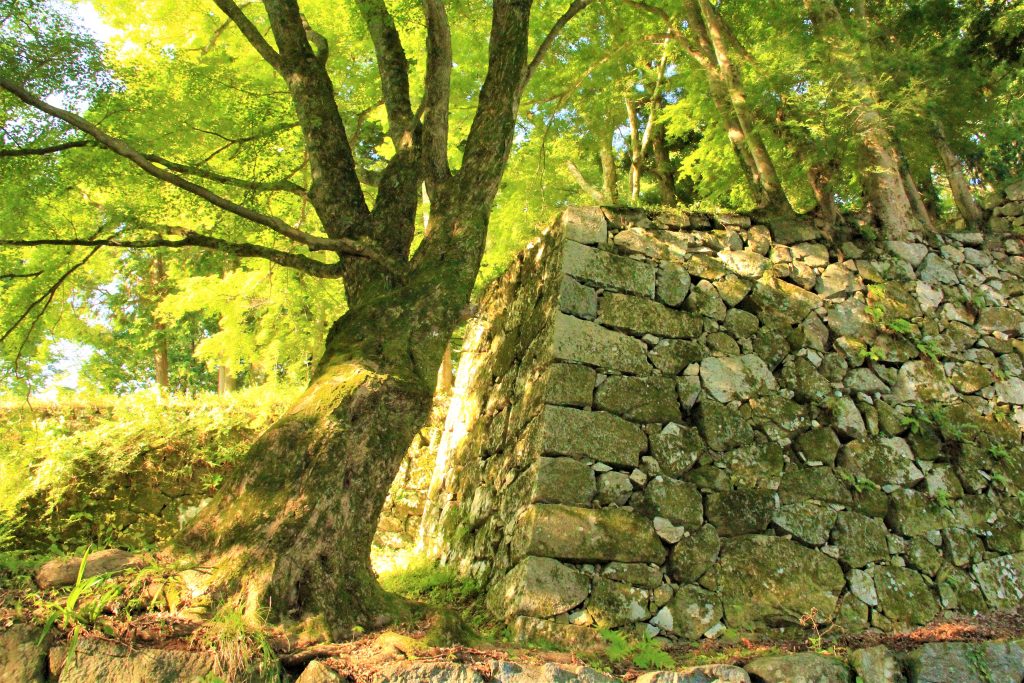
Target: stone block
741,512
581,341
804,667
736,378
570,384
903,595
576,299
721,427
643,316
564,480
883,460
585,224
800,580
640,399
597,435
678,502
1002,580
538,587
585,535
602,269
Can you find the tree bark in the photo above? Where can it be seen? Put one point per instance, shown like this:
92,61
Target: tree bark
962,197
775,196
226,381
880,166
290,533
288,536
609,173
663,168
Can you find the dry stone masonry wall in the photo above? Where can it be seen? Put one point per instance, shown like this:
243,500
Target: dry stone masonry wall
684,423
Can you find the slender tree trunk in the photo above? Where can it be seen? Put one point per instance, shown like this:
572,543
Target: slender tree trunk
226,380
930,196
161,361
962,197
820,178
880,165
609,173
916,200
634,151
595,193
769,177
663,168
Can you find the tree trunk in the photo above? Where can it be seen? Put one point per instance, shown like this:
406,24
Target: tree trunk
226,381
663,168
634,151
883,180
287,537
962,197
820,178
609,175
916,200
161,361
775,196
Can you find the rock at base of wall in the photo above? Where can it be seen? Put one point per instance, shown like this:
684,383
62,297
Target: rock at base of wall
805,667
95,660
965,663
22,657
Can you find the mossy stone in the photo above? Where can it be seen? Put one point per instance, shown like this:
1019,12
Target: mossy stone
860,539
694,554
884,460
677,448
677,501
694,610
639,399
585,434
644,316
564,480
570,384
818,445
613,604
813,483
538,587
744,511
800,580
903,595
809,521
586,535
721,427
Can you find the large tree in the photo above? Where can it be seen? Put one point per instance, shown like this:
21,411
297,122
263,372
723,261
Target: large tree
291,532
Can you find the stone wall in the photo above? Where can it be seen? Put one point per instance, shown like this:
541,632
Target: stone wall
685,423
1007,208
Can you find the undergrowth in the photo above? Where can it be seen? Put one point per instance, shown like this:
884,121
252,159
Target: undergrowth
442,589
87,469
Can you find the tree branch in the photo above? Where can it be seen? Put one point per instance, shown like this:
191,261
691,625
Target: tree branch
393,68
254,185
194,239
251,33
16,276
46,297
334,192
584,184
121,148
40,151
575,8
437,94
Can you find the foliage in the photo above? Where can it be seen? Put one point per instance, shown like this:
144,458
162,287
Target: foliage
642,652
64,465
